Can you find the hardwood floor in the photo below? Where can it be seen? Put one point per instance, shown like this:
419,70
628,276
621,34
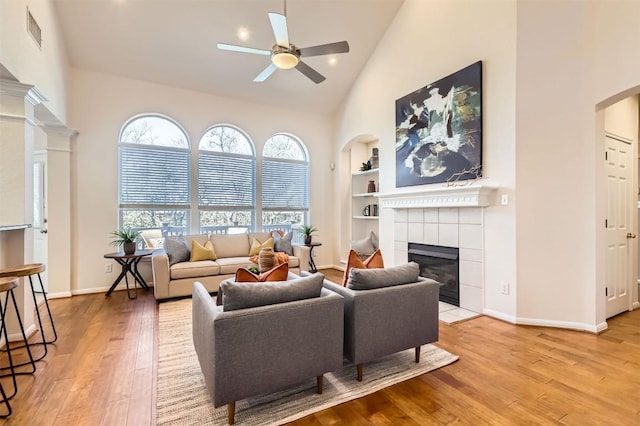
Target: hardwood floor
103,368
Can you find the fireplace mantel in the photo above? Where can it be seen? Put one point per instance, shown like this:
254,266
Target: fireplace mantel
458,196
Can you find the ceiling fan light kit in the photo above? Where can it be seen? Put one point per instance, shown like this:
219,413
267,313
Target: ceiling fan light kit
285,55
285,59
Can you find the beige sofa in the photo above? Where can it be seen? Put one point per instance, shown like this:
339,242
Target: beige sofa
232,252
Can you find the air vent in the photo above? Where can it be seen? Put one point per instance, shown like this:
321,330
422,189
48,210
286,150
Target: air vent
34,29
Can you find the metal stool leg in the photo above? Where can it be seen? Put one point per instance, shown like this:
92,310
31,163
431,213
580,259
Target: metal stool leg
44,341
46,302
5,401
12,366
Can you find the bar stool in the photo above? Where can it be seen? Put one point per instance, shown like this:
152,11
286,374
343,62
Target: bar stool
7,285
28,271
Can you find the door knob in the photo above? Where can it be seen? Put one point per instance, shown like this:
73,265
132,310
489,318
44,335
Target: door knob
630,235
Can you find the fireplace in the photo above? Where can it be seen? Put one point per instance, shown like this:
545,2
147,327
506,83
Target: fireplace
440,264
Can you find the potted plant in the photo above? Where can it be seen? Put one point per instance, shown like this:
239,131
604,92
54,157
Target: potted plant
126,238
308,230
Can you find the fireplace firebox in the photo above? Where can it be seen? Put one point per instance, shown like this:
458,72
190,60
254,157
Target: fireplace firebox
440,264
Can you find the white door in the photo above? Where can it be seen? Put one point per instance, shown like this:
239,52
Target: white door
618,159
40,240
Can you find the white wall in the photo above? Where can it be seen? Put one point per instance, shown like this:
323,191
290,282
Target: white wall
580,63
543,127
100,104
425,42
45,68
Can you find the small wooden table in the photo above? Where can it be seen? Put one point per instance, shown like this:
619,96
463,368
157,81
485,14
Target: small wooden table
129,263
312,263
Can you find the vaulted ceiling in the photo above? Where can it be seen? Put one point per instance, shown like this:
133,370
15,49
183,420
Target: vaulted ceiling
173,42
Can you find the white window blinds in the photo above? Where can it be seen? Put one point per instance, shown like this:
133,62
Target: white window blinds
285,185
226,180
154,177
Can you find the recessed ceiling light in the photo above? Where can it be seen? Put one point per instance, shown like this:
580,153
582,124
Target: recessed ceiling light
243,33
333,61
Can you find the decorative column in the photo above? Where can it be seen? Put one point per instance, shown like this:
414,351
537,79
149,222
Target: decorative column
17,126
58,171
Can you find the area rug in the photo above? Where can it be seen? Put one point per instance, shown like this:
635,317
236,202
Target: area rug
183,398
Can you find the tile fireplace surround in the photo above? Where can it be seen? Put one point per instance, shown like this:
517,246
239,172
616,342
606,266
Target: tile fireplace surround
451,217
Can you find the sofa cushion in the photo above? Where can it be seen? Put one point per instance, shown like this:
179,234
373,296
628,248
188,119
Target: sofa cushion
177,249
203,268
229,265
233,245
257,245
282,243
354,261
366,279
260,236
200,252
249,295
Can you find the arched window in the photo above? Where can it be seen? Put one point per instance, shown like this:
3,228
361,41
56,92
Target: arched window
154,174
226,181
285,182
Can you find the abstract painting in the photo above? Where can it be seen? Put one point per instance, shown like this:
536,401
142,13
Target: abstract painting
439,130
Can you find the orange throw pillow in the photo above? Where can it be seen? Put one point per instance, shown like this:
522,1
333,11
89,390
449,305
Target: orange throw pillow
372,262
243,275
278,273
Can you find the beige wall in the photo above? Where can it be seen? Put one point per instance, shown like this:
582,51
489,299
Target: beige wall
44,68
420,47
100,104
549,69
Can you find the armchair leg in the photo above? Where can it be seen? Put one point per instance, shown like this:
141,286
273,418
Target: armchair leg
359,367
417,354
320,384
231,412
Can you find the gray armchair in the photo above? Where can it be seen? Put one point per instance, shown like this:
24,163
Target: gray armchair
382,321
254,350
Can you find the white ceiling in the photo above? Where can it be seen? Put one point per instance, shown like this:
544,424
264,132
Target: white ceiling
173,42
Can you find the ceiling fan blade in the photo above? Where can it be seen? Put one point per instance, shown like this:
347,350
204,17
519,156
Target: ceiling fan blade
325,49
314,75
279,25
243,49
265,73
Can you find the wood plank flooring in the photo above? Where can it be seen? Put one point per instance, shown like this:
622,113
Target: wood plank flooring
102,372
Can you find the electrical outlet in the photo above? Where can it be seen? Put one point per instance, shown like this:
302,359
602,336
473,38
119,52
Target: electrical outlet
504,288
107,268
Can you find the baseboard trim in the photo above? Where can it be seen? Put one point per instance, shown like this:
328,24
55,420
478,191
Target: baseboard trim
570,325
599,328
499,315
59,295
17,337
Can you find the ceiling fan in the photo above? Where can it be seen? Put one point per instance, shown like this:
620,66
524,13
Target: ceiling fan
285,55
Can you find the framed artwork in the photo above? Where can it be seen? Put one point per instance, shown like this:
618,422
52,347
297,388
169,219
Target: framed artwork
439,130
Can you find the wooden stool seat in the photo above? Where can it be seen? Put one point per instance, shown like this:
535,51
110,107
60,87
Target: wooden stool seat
28,271
22,270
8,283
